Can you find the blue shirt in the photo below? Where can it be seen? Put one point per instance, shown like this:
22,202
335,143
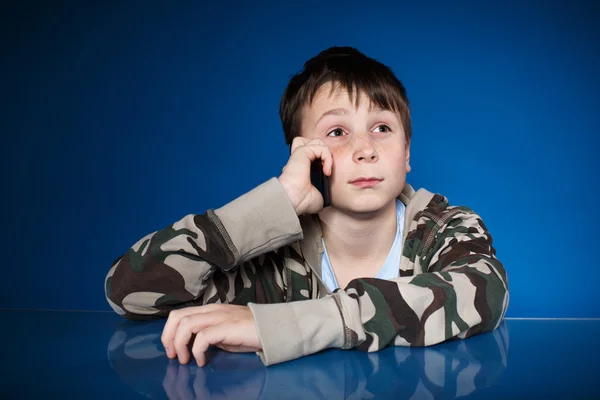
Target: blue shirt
391,266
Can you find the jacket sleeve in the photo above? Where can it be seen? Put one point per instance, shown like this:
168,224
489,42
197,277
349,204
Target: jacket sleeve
202,258
462,291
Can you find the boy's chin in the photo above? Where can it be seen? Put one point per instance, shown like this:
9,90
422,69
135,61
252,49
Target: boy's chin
364,204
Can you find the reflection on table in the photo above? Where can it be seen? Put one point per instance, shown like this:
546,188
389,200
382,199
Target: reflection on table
451,369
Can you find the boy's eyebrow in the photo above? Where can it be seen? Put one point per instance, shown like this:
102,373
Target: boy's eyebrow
335,111
345,112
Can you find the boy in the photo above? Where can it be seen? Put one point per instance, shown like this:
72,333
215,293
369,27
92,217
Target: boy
276,273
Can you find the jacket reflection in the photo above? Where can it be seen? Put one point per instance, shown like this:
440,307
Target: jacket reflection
452,369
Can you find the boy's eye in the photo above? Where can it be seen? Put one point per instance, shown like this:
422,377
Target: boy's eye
336,132
385,128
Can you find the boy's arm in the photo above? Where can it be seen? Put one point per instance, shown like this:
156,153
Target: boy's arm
464,292
172,268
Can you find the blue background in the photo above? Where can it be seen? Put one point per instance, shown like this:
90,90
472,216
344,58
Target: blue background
119,119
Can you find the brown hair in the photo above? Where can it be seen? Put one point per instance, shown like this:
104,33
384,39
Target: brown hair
348,68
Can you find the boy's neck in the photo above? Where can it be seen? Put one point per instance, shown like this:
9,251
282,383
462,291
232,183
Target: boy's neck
356,240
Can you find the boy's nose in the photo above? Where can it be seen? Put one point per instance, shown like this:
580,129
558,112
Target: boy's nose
364,151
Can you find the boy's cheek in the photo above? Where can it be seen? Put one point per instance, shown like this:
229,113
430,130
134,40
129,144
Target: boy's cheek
340,153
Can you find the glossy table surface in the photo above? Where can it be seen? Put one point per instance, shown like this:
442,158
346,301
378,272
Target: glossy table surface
99,355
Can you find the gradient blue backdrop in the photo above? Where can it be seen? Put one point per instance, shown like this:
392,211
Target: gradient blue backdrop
119,118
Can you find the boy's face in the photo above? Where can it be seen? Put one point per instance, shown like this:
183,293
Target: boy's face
364,142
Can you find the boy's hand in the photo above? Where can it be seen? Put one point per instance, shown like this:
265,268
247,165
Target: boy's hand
226,326
295,176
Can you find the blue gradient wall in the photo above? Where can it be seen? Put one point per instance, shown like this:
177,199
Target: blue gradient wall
119,119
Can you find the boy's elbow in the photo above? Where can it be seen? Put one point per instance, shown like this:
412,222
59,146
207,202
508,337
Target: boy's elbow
132,310
116,308
136,306
502,303
127,300
113,296
498,297
115,292
491,297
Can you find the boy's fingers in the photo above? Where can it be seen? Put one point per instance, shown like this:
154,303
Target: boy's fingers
298,141
212,335
317,150
194,324
172,325
322,151
327,161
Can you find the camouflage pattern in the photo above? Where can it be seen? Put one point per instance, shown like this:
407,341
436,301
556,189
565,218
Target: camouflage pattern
451,284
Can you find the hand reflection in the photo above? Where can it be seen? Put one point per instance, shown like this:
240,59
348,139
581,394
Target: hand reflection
451,369
187,382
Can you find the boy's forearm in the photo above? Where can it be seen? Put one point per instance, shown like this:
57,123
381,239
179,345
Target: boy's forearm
374,313
259,221
426,309
292,330
172,266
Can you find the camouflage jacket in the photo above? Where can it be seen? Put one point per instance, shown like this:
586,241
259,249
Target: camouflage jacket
256,251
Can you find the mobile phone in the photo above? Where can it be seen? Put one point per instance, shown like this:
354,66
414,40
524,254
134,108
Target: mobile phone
320,181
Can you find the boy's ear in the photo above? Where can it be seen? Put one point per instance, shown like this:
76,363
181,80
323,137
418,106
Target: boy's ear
407,161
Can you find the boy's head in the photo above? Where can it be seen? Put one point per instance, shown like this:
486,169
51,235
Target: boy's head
348,69
359,108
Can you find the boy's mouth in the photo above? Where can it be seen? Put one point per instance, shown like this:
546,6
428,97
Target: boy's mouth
366,182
